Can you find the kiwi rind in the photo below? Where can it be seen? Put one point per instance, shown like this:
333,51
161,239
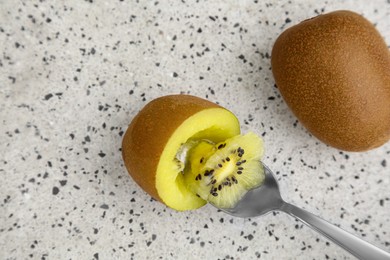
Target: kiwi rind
333,72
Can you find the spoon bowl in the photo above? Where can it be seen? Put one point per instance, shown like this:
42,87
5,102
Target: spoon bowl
266,198
260,200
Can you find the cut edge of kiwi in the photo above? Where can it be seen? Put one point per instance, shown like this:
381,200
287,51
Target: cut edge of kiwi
214,124
219,130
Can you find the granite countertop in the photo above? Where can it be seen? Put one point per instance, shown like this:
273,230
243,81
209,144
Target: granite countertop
74,73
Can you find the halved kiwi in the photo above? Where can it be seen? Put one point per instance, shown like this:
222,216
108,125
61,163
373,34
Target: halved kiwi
175,138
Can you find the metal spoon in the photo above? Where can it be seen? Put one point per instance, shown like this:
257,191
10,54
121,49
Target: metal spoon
267,198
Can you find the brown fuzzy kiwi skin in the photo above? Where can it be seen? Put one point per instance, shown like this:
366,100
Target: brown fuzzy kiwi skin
150,130
333,71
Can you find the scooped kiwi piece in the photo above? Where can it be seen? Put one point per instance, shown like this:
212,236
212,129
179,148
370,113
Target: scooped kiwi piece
222,173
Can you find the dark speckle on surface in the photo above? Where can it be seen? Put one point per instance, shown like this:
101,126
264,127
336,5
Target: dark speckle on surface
48,96
63,182
55,190
73,74
104,206
384,163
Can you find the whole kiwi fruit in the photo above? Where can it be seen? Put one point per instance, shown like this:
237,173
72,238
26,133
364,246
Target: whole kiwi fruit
333,71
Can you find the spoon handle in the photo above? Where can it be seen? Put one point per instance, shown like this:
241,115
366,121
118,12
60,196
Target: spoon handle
356,246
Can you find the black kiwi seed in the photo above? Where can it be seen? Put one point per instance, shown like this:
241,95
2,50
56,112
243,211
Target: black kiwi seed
243,161
220,187
214,181
238,163
201,160
239,172
240,168
214,194
219,165
240,152
221,146
227,159
207,173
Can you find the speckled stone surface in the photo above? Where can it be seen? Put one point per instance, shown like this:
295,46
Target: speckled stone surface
74,73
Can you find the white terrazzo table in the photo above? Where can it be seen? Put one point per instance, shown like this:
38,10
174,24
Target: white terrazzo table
74,73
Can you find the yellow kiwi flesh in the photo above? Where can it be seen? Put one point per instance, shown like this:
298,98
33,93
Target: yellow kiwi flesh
214,124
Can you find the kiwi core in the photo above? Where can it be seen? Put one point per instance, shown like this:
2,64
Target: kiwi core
225,171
